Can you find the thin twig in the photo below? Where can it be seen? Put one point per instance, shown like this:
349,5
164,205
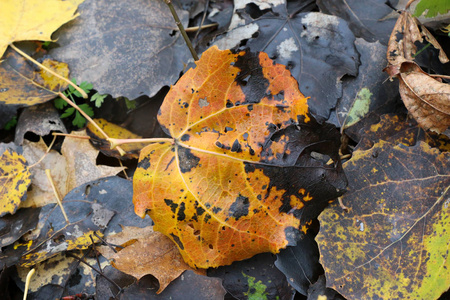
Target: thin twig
121,151
124,172
197,28
181,28
83,93
27,283
93,268
116,142
55,191
45,154
71,135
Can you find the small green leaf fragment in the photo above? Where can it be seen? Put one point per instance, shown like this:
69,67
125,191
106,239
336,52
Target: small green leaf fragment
85,86
98,99
433,8
11,123
256,290
360,107
68,112
60,103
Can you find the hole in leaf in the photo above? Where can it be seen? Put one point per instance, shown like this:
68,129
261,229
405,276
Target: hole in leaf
173,33
87,190
210,246
197,232
59,239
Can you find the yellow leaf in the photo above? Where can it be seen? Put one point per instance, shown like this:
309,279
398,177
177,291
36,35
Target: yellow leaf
14,181
25,20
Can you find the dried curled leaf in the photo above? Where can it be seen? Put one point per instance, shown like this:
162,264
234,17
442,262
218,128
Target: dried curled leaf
425,97
247,167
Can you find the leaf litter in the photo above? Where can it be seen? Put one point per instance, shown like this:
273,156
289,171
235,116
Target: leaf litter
102,202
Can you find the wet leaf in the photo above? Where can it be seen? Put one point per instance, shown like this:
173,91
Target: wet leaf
125,49
27,20
364,22
254,278
318,49
14,181
113,131
393,243
149,253
223,190
188,286
15,226
367,93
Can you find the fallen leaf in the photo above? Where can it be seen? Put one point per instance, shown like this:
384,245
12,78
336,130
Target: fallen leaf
254,278
365,23
151,253
425,97
116,132
15,226
393,242
14,181
39,119
367,93
188,286
318,49
22,86
223,189
33,20
128,49
105,290
77,165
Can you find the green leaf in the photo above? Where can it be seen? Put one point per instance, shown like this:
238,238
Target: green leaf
98,99
130,104
11,123
68,113
434,8
87,109
85,86
79,120
71,88
60,103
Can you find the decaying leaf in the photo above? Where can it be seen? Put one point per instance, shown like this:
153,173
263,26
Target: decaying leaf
125,49
77,165
425,97
248,164
150,252
393,244
21,85
117,132
14,181
27,20
307,44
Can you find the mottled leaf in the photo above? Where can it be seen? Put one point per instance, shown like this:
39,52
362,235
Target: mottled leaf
248,164
393,242
15,178
317,48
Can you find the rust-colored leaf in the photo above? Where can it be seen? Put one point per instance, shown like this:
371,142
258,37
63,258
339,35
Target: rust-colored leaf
149,252
247,169
426,98
14,181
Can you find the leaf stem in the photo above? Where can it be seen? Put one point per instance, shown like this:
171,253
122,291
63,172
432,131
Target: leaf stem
27,282
116,142
83,93
58,198
121,151
180,26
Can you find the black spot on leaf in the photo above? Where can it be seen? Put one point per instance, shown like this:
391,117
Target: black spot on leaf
180,215
173,206
177,241
239,208
236,147
188,161
144,163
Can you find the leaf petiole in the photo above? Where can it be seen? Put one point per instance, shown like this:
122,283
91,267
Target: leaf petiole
117,142
48,70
